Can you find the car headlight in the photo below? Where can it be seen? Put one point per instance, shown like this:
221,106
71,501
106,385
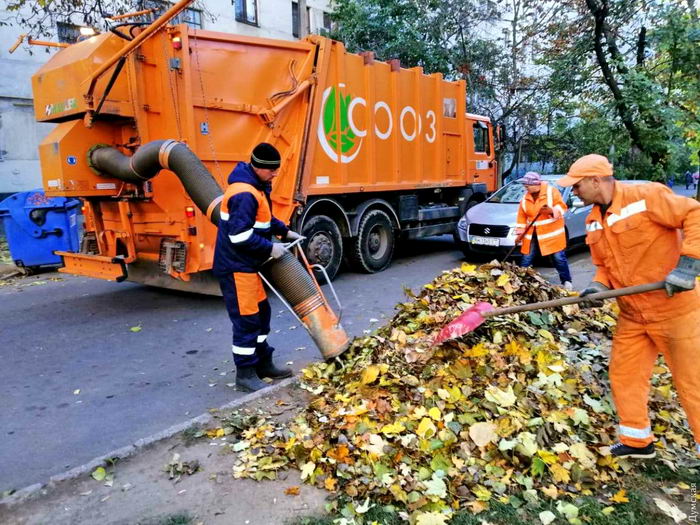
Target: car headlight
462,223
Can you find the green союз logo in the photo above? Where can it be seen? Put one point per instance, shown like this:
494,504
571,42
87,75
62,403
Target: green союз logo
336,124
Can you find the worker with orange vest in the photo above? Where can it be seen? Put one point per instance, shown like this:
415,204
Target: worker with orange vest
643,233
540,224
243,244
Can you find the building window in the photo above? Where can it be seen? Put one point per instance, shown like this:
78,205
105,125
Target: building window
296,29
67,32
247,11
326,22
191,17
295,19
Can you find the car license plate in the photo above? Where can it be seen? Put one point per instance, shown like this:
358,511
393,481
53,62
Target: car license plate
485,241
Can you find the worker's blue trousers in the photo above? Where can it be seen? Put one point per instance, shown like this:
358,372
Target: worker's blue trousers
249,311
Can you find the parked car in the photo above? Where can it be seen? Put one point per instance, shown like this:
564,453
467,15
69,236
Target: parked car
489,227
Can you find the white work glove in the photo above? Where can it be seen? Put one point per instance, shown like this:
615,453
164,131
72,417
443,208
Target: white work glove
278,250
293,236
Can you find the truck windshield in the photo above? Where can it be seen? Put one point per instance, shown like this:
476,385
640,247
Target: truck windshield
512,193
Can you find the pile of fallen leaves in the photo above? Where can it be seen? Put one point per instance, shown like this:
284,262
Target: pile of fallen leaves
516,411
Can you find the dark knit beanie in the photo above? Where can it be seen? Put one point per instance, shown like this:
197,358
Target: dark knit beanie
265,156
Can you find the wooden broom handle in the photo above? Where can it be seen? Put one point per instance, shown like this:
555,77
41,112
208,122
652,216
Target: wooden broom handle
630,290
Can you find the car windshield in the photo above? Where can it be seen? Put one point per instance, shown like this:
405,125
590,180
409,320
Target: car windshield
512,193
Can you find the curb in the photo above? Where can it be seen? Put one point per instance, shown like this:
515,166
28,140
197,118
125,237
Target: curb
22,494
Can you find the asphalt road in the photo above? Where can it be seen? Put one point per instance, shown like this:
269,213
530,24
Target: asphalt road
76,382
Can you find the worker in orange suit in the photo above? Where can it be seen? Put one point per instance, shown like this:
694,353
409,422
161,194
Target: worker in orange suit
243,244
541,220
643,233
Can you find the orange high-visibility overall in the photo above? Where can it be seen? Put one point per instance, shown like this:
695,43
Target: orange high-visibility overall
639,240
551,234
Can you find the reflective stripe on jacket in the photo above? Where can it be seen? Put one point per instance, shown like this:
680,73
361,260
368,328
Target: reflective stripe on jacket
551,232
639,240
243,242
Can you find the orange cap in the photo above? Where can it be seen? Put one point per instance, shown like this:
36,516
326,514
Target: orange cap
587,166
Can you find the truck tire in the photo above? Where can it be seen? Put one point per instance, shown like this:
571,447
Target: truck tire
373,247
323,245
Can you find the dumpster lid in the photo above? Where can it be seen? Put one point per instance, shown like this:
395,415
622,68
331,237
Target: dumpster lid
36,199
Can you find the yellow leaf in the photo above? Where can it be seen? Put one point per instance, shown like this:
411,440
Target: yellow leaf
550,492
503,279
370,374
292,491
682,485
330,484
478,351
468,268
547,457
559,473
547,335
393,428
434,413
503,398
482,493
477,506
620,497
608,510
426,428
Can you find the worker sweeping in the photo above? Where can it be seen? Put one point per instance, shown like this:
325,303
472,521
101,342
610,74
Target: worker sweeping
540,224
639,234
243,245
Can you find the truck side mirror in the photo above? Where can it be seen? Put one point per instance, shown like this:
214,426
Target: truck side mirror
500,136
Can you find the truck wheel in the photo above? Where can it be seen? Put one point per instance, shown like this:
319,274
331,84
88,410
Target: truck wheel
374,245
323,245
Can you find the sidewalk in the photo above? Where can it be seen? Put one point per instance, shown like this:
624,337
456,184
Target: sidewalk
137,489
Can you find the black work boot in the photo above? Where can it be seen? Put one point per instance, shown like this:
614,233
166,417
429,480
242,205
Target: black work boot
621,450
247,379
266,368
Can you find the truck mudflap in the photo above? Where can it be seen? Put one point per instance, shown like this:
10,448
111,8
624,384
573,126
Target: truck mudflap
98,266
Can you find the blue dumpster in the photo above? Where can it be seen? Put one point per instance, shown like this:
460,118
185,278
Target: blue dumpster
37,225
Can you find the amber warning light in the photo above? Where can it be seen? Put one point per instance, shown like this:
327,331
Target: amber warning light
189,211
177,42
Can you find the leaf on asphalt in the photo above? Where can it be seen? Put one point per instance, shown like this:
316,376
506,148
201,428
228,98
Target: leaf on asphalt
135,328
99,473
292,491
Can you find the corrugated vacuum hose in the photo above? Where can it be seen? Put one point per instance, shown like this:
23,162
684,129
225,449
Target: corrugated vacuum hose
294,284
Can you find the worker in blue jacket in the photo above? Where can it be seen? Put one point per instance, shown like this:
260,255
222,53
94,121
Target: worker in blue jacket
243,245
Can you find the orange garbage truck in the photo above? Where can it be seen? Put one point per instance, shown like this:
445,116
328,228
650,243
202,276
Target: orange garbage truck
150,122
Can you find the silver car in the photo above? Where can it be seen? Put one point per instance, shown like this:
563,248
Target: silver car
489,227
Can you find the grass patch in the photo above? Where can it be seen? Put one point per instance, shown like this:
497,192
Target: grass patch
171,519
640,510
660,472
191,434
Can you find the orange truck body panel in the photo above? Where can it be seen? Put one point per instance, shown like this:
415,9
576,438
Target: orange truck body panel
344,124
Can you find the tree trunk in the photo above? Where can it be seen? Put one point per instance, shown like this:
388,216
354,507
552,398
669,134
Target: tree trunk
599,10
